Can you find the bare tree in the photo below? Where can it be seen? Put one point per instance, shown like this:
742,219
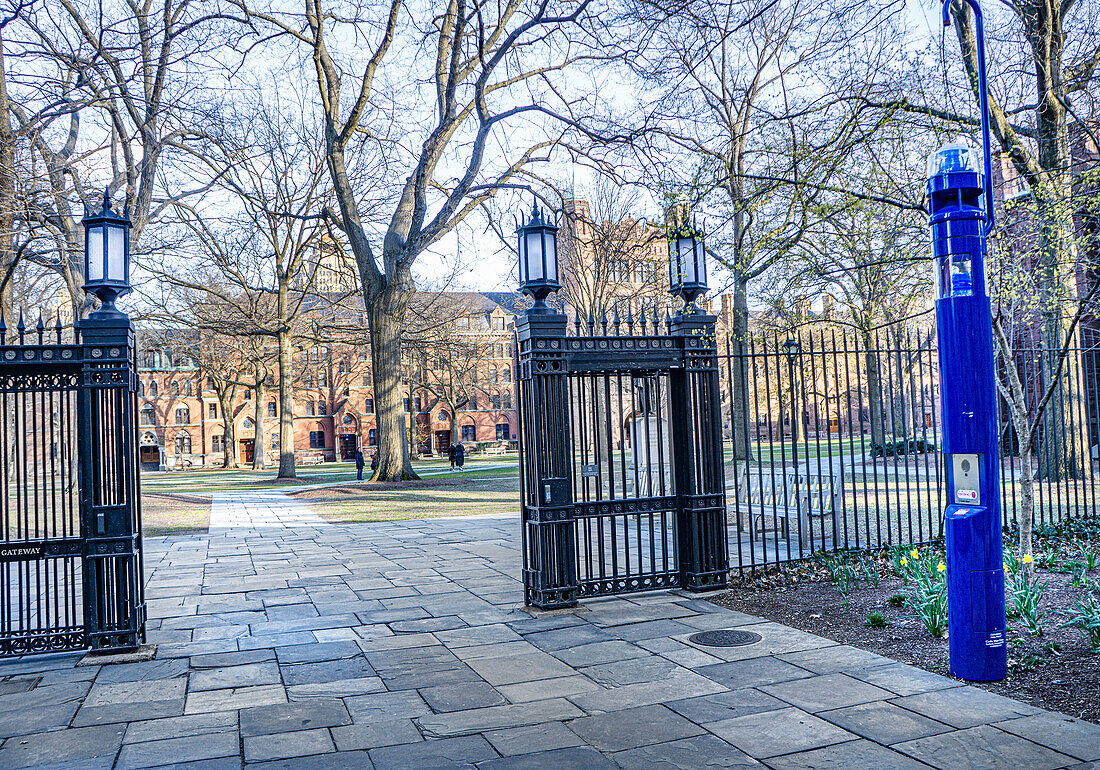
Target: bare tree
488,66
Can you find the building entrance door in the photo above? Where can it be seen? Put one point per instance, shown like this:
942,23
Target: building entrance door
150,458
348,445
248,450
442,442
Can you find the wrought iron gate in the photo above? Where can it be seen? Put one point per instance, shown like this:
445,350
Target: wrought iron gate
621,462
70,556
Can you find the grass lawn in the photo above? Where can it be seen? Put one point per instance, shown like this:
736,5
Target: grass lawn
174,514
450,495
205,481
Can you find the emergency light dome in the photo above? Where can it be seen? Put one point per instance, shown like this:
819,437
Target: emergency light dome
956,157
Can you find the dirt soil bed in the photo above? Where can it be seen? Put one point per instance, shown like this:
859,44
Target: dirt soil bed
1055,671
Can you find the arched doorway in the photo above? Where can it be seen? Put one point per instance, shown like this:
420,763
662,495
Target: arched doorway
150,451
348,431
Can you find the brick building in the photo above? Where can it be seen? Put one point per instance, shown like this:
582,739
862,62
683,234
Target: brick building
181,421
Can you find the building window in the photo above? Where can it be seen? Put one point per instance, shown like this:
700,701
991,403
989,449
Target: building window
507,399
366,380
443,417
321,409
309,409
212,411
372,437
187,388
148,416
498,323
275,441
248,424
248,394
469,433
141,388
368,406
153,389
492,374
174,388
183,443
217,443
406,404
506,373
503,432
322,378
419,404
494,400
272,409
209,383
317,437
183,415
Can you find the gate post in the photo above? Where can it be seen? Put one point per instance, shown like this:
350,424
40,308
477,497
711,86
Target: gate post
696,404
110,518
549,537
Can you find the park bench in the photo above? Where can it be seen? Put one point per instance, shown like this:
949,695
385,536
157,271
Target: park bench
496,449
311,459
785,496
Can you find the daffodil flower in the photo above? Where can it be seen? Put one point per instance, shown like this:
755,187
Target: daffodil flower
941,567
1026,559
904,561
915,553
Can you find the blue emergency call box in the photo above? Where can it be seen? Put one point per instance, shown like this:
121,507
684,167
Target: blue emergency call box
968,403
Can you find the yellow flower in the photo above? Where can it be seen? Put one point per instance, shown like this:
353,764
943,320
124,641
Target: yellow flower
904,561
915,553
941,567
1026,559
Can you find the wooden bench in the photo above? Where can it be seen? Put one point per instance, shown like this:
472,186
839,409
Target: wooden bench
496,449
784,496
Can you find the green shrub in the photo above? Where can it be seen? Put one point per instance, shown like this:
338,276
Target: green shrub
1025,594
876,620
927,597
897,600
1085,617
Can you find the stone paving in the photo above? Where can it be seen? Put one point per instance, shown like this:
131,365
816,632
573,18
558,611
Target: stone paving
284,642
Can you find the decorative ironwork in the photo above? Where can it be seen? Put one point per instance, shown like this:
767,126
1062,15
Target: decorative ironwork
70,550
620,456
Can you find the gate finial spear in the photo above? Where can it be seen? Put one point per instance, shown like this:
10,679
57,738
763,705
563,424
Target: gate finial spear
57,327
21,326
3,328
40,327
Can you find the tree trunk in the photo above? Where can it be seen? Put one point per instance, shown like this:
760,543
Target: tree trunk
739,387
385,313
7,195
874,390
229,445
258,418
286,406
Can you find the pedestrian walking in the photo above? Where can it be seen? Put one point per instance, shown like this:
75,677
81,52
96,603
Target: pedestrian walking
359,463
451,452
460,455
374,462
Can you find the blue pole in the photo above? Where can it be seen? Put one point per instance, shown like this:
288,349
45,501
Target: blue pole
961,216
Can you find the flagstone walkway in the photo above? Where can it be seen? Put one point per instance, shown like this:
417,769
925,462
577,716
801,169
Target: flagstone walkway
285,642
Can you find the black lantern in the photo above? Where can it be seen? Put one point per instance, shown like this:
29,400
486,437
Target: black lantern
106,255
791,348
687,264
538,259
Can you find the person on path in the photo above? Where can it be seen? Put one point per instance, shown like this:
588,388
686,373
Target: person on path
460,455
451,451
374,462
359,463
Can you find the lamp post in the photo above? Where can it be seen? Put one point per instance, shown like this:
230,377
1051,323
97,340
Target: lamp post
791,349
538,260
106,257
687,265
961,216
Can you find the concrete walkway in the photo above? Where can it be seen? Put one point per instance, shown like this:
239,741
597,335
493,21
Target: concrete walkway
287,643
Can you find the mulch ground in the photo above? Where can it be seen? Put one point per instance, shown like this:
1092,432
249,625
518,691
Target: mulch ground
1055,671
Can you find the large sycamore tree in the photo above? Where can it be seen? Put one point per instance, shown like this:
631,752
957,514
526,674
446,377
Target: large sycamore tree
448,100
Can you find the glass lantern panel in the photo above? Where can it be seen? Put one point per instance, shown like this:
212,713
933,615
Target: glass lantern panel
700,262
94,258
550,247
535,271
116,253
523,277
685,247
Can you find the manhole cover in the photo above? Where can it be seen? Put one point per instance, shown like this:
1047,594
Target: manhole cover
725,638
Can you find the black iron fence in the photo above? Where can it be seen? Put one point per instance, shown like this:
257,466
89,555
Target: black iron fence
832,439
620,456
70,552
